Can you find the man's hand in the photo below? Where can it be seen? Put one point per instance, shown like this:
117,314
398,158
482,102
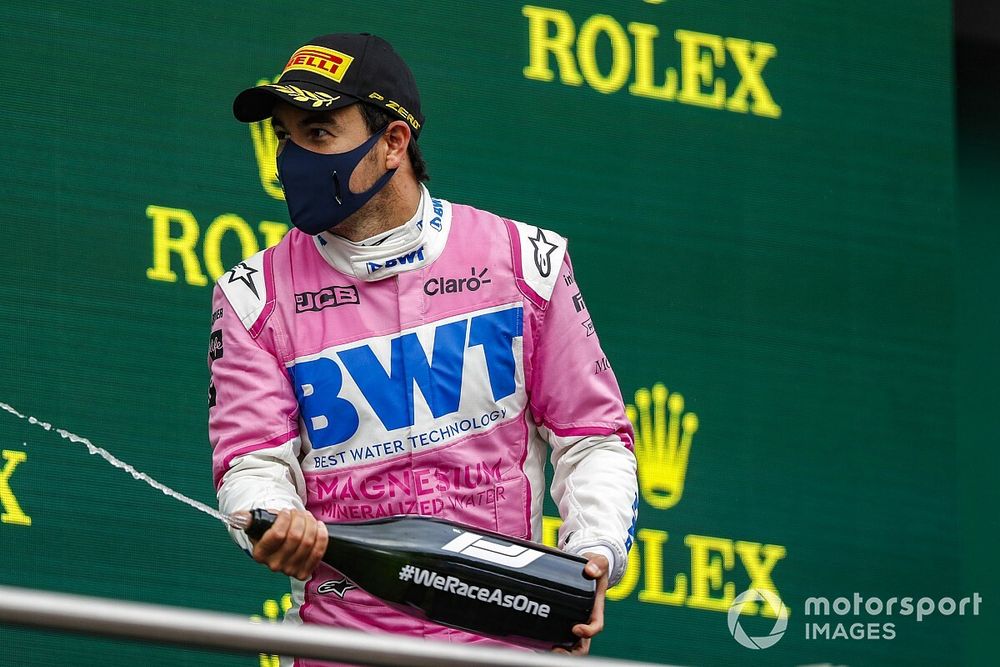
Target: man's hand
293,545
596,568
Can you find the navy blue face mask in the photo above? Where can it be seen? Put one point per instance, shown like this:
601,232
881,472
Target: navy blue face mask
317,186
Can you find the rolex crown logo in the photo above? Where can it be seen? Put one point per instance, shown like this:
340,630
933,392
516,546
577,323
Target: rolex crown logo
663,433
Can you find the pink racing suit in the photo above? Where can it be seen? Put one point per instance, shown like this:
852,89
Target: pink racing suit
428,370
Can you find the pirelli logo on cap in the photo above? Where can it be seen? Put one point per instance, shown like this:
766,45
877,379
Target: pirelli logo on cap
323,61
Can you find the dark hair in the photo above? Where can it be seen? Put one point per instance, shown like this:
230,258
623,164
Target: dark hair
376,119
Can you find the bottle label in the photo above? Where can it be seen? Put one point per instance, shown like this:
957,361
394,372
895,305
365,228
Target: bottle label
480,548
455,586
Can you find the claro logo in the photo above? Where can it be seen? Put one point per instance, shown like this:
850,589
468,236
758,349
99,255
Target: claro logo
476,280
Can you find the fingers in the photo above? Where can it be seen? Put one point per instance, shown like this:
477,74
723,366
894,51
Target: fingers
293,545
301,550
590,630
581,647
596,624
319,547
596,568
272,540
281,559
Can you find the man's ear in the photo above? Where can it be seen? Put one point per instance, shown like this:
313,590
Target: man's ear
397,137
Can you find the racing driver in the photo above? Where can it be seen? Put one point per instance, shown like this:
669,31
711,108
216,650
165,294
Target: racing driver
399,354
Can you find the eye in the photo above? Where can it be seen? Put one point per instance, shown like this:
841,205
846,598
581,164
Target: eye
280,134
318,133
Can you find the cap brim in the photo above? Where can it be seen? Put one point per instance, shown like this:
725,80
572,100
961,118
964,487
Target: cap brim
256,104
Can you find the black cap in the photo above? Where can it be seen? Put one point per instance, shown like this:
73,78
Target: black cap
334,71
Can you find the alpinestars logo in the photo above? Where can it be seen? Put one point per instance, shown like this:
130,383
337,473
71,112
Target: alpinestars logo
543,253
338,587
244,274
480,548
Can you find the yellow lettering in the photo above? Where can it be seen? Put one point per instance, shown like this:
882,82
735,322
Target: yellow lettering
559,44
759,561
273,232
620,591
550,530
706,572
750,67
644,85
621,56
697,69
552,34
12,509
710,559
164,244
271,614
652,555
624,588
265,149
227,222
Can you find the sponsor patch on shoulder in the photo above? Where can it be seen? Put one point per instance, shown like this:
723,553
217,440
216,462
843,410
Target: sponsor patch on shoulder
246,289
542,254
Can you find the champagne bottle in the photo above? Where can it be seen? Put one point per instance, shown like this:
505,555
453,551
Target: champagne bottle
458,576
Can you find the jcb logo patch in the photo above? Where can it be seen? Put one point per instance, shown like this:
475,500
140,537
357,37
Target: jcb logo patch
325,62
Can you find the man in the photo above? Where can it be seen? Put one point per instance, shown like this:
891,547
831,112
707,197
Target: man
397,354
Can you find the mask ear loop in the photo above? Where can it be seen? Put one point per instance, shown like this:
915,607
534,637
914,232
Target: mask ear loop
336,180
336,188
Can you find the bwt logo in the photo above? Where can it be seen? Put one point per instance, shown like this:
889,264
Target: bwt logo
435,222
409,258
330,404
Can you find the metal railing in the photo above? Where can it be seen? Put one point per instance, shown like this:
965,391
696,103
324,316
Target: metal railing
228,632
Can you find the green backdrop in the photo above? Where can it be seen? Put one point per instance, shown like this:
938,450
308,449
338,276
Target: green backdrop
760,199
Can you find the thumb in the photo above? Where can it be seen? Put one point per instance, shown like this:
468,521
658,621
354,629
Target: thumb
597,565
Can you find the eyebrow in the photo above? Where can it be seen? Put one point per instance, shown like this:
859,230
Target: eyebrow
316,118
